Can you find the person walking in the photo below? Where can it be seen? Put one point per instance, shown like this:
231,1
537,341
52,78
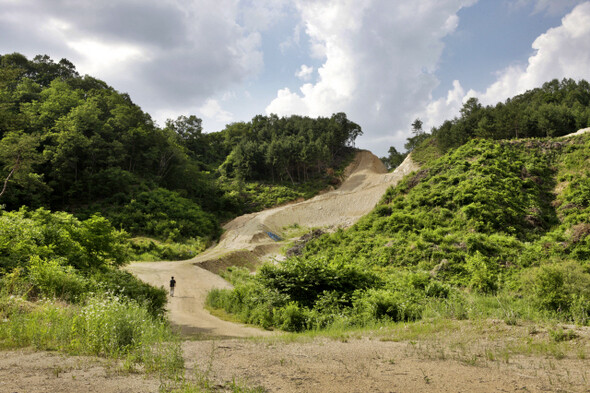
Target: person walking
172,285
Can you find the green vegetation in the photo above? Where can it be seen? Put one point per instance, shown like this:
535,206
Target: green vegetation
61,289
82,169
491,229
72,143
555,109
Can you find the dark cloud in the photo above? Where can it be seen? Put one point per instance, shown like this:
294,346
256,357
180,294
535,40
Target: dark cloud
163,52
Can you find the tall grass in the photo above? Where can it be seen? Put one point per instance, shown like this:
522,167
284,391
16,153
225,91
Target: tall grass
105,325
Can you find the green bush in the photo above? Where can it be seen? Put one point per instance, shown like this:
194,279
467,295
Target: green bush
304,280
290,318
483,272
89,244
53,280
145,249
382,304
166,215
125,284
55,255
563,288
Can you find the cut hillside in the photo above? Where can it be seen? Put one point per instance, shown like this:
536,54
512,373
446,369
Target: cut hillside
490,219
246,242
249,238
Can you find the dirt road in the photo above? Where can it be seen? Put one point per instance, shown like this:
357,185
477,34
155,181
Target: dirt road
246,240
454,356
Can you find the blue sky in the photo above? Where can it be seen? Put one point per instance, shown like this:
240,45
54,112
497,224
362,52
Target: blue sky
383,62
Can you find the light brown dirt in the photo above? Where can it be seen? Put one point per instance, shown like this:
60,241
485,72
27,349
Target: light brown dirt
372,365
26,371
455,361
245,241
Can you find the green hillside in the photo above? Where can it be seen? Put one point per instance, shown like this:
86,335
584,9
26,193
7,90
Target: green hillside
491,228
73,143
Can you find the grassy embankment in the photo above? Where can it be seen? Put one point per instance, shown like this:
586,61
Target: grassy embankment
491,230
61,289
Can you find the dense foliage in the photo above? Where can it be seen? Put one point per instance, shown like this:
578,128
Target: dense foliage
61,289
55,255
557,108
295,148
554,109
501,218
73,143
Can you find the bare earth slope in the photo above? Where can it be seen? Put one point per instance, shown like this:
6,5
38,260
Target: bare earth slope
246,239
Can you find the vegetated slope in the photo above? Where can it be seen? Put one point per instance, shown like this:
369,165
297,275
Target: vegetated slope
555,109
506,218
73,143
250,235
246,241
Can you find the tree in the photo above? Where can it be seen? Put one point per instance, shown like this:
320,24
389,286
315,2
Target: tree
393,159
18,152
417,127
187,128
419,136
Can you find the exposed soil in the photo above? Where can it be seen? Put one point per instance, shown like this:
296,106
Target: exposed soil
246,241
461,361
26,371
373,365
464,363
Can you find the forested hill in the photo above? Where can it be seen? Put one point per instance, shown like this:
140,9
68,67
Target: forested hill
71,142
556,108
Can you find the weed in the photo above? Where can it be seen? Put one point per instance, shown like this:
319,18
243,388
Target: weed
56,371
559,335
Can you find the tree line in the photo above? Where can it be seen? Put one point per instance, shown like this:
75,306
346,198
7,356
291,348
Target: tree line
556,108
73,143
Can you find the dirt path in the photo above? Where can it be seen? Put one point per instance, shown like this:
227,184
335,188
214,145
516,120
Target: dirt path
465,356
457,356
246,239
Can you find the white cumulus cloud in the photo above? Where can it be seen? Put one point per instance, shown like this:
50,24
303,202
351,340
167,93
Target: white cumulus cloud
379,59
561,52
304,72
549,6
212,110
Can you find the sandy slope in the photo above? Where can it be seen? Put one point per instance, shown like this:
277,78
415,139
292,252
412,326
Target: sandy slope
246,239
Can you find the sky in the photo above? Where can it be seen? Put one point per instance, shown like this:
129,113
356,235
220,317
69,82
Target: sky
382,62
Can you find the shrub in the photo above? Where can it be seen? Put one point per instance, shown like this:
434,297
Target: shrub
380,304
304,280
168,216
53,280
126,284
290,318
145,249
483,272
562,288
88,244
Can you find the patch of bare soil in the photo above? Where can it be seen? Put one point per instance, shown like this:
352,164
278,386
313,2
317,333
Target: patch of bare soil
465,356
365,365
26,371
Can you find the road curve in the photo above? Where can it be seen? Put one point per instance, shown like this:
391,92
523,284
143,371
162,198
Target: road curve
246,238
